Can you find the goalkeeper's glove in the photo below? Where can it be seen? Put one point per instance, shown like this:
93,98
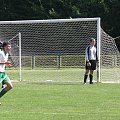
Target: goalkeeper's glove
88,64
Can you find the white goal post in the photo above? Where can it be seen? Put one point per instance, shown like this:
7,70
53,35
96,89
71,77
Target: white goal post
54,50
15,55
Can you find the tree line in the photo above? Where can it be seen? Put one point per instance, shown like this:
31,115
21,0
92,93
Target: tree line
108,10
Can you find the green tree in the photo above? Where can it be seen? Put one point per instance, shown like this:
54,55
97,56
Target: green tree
108,10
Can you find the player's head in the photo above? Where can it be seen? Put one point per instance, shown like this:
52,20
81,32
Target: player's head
6,46
92,41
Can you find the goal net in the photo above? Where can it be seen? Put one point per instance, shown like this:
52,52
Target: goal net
54,50
110,59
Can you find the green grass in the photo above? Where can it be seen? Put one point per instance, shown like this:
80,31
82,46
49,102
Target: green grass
63,74
61,101
60,75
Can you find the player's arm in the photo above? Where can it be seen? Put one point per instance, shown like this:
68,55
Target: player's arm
87,57
86,54
8,63
97,60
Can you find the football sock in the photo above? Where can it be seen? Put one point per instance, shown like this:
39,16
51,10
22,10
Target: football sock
3,84
2,92
91,78
85,78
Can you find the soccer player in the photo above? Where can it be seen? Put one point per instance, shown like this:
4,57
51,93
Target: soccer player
91,59
6,48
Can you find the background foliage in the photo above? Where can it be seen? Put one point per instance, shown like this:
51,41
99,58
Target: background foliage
108,10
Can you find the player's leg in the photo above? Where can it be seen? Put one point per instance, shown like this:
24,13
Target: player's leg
8,84
86,75
93,67
3,84
8,87
86,72
0,80
91,76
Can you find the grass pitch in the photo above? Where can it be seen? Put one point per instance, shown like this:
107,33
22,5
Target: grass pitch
110,75
61,101
56,75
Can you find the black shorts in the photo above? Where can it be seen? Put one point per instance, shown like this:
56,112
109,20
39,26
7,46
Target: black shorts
93,65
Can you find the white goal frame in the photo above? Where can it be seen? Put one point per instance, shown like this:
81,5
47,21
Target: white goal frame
59,20
19,46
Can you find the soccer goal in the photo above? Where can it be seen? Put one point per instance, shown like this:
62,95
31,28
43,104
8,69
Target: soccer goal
54,50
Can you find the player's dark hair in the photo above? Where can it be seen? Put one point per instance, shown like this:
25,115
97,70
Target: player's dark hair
5,44
91,39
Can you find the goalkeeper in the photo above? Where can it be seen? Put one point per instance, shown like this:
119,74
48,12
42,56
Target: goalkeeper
6,48
91,59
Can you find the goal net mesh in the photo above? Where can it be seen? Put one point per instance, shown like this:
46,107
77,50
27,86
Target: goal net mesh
54,50
110,59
